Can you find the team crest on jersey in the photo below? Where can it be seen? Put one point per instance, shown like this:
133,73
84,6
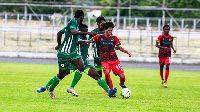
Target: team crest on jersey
170,39
104,67
112,39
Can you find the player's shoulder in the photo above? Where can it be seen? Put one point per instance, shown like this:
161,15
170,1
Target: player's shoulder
171,36
74,21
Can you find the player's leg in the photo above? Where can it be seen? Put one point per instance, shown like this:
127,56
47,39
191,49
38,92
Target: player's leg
53,82
94,74
98,66
161,63
77,76
78,73
107,70
118,70
167,61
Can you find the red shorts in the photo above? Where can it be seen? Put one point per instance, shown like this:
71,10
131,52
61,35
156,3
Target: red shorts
115,66
166,60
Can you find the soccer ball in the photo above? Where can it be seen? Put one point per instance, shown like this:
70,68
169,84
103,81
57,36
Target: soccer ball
125,93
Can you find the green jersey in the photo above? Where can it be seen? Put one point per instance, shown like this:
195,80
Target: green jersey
83,48
95,46
70,41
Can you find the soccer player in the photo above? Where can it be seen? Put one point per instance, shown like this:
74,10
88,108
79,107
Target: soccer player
89,69
67,52
109,60
95,46
165,42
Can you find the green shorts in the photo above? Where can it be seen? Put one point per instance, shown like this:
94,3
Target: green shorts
86,63
97,62
65,58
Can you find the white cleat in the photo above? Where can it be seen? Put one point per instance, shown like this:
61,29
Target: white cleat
72,91
51,94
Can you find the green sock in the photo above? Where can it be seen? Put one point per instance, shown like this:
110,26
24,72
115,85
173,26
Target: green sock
103,84
77,77
55,82
49,82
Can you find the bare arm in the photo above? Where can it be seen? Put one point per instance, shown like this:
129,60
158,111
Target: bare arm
172,46
123,50
76,32
59,37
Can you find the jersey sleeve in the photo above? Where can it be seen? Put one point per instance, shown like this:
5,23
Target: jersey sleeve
117,42
63,29
159,39
172,38
73,25
95,38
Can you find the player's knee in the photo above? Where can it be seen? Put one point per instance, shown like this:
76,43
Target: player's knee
81,68
61,76
121,76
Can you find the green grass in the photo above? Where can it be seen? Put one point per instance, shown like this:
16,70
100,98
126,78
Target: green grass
18,84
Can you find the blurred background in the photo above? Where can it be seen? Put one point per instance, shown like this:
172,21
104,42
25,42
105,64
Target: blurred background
28,28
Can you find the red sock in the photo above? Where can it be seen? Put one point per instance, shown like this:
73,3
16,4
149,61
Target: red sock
161,73
122,80
108,80
166,74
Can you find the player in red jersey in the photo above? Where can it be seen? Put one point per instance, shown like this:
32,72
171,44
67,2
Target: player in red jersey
165,43
109,60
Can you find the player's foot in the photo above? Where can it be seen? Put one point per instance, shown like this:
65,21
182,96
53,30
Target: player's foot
51,94
72,91
165,84
115,95
162,83
112,92
42,89
123,86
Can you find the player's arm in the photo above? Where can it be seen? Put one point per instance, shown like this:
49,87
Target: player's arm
172,46
84,41
76,32
59,37
119,47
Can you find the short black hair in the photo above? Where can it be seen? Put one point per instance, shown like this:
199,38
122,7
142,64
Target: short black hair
166,25
99,19
108,24
79,13
83,26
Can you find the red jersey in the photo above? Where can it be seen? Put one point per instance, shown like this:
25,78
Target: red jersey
107,46
165,41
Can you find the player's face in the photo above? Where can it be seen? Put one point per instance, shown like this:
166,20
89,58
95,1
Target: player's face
100,24
84,29
81,19
109,31
166,30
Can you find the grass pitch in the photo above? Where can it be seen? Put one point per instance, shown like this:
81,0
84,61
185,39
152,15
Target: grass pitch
18,84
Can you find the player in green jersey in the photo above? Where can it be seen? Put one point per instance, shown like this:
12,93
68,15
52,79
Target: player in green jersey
67,52
95,46
89,69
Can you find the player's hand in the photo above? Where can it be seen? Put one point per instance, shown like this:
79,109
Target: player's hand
92,33
57,47
174,51
116,48
129,54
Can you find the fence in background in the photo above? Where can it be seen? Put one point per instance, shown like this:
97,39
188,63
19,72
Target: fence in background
40,37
